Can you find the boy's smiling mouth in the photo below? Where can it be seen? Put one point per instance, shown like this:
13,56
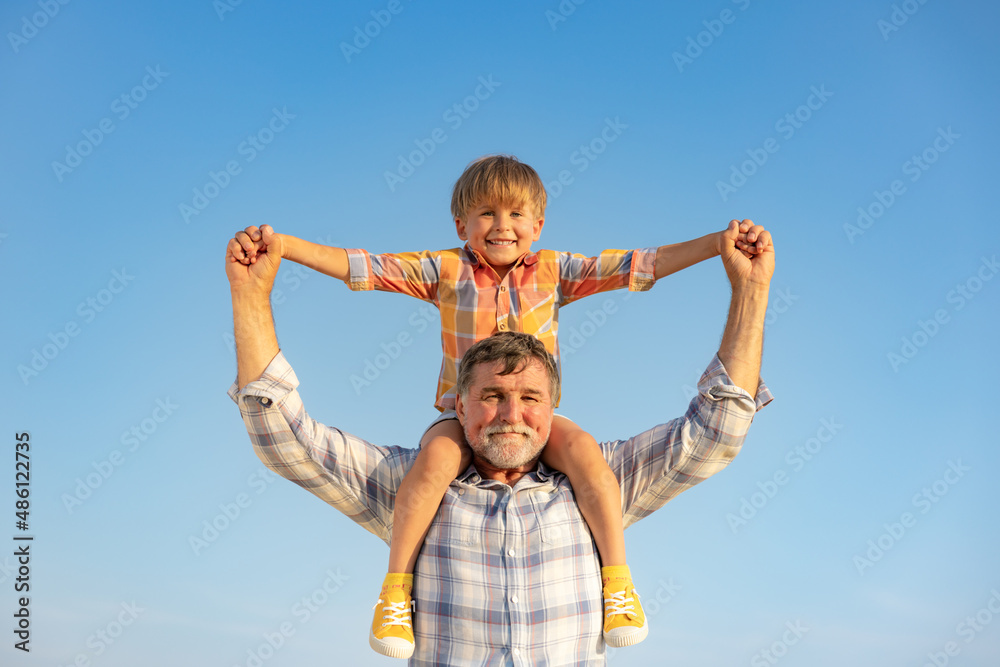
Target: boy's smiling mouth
501,242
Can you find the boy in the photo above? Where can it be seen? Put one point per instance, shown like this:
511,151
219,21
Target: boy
495,283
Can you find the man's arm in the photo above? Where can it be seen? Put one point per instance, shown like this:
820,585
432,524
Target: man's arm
355,477
750,277
655,466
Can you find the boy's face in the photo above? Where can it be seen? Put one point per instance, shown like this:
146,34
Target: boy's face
500,234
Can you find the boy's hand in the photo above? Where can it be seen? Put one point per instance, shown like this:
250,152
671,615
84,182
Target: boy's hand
252,257
253,241
747,253
747,245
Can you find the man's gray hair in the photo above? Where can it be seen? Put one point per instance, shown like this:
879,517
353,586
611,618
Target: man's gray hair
514,350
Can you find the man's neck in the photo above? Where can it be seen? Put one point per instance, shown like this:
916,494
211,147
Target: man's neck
509,476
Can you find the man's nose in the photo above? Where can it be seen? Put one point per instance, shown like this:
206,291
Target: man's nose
510,412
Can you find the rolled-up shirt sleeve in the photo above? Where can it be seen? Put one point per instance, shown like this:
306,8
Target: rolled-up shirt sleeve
656,465
412,273
354,476
581,276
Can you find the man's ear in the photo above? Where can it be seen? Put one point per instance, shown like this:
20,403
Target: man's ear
460,410
460,228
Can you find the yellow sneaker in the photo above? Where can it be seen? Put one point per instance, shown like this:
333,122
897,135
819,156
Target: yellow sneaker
624,621
392,626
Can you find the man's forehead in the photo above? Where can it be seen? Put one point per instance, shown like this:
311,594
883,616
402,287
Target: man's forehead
531,375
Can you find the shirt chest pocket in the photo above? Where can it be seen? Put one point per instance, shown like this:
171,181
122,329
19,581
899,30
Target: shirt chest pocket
457,524
553,517
536,310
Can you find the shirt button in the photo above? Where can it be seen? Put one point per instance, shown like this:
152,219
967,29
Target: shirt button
461,492
516,652
265,402
502,326
510,553
513,598
503,288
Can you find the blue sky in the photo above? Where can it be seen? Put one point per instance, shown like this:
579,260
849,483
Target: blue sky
138,138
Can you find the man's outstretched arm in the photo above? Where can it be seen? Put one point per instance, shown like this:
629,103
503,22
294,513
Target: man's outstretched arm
354,476
750,277
253,326
655,466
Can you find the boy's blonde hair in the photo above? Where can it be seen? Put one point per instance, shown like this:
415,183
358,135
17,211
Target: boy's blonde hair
502,179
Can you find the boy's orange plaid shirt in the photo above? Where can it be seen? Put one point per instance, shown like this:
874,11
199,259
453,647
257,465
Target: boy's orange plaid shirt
475,303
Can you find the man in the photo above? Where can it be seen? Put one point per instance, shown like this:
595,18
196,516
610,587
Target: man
509,573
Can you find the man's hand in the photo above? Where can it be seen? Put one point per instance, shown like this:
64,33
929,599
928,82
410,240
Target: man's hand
748,254
253,257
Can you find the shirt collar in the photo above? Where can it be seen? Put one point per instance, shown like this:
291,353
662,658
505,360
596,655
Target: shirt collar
542,474
477,260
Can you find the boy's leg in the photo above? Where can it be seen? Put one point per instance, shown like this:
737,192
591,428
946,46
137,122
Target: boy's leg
575,452
443,456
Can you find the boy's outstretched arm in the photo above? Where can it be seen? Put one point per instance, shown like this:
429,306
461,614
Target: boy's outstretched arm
677,256
326,259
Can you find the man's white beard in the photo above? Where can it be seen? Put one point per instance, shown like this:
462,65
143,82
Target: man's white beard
506,452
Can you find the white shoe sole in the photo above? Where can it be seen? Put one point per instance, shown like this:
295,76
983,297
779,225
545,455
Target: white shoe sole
627,636
393,647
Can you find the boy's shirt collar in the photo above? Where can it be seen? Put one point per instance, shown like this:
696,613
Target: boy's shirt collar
476,259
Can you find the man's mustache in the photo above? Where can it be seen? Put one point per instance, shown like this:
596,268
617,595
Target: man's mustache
499,429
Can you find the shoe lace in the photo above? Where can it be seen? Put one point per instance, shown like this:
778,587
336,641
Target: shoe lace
395,613
616,603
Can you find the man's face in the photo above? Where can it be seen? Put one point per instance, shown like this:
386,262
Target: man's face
507,417
500,234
